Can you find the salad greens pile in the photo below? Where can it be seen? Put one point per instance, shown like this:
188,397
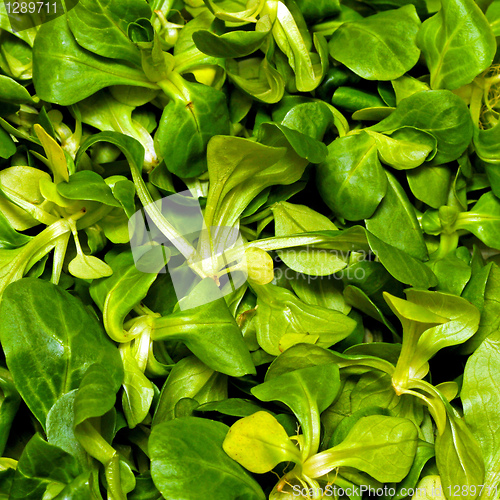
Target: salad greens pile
353,149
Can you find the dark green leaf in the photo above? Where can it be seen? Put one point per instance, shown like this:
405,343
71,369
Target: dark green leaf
40,321
395,222
352,181
391,38
80,73
187,453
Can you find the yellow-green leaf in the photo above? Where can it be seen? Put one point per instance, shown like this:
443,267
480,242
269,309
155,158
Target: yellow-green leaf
55,155
259,443
260,266
89,267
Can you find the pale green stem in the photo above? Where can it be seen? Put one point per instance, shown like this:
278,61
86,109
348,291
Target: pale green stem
163,225
72,225
476,103
58,258
434,403
448,242
175,88
401,373
96,446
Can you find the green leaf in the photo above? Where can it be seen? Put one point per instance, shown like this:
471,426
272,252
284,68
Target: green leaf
145,488
486,143
117,295
60,428
324,292
405,86
293,39
346,424
258,78
421,6
138,390
430,184
483,220
42,321
210,332
406,149
395,222
80,73
493,176
96,396
352,239
352,181
352,99
311,119
231,44
189,378
106,113
391,38
458,458
462,316
439,113
493,17
88,185
431,321
9,237
55,155
130,147
9,405
372,114
238,170
374,389
383,447
313,10
371,277
305,146
452,273
401,265
187,452
358,299
480,397
100,26
483,291
239,16
12,92
7,145
429,488
307,392
42,464
259,443
89,267
234,407
457,43
281,316
297,357
425,451
187,124
124,192
294,219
